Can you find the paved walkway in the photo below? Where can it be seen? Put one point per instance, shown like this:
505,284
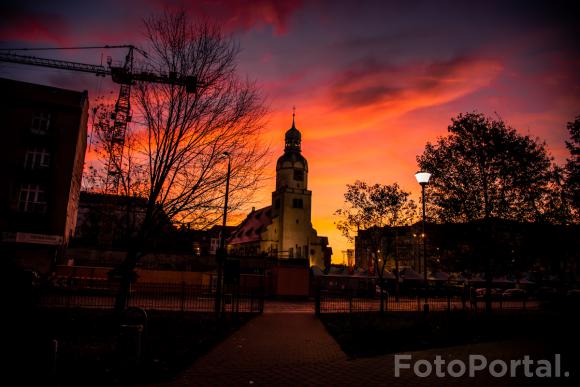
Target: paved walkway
295,349
277,306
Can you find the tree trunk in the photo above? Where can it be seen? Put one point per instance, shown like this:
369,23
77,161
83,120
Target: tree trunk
126,271
382,297
126,276
122,297
396,266
488,265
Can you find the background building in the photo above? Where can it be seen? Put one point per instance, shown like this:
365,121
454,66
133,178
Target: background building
42,154
284,229
455,247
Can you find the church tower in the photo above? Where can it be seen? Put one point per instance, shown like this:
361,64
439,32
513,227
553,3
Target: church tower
284,229
291,202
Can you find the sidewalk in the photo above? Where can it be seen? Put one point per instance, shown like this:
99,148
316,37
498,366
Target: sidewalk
295,349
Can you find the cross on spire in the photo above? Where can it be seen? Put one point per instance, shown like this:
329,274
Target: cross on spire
293,115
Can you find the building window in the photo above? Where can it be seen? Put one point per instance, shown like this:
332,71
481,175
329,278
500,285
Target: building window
298,252
36,158
297,203
32,198
40,123
291,252
299,174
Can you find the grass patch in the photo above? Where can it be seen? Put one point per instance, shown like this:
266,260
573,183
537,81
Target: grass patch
372,334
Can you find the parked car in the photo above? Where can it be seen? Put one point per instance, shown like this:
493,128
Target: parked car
495,292
573,294
546,292
515,294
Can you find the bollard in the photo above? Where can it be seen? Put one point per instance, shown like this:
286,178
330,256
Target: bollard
54,357
129,346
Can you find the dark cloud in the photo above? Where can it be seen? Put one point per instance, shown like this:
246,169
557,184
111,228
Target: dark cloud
366,96
234,15
370,82
26,25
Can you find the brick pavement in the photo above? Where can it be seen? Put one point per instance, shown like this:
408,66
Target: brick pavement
295,349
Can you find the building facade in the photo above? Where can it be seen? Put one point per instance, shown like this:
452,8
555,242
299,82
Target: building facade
455,247
284,229
42,157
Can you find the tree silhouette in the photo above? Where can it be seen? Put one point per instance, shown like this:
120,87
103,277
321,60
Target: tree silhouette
573,167
484,169
370,208
181,137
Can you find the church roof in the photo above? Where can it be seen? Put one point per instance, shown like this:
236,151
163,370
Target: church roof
252,227
293,138
293,134
291,157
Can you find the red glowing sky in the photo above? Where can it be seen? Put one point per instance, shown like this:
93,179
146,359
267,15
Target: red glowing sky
372,81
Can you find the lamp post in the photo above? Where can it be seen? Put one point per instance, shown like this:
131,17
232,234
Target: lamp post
221,253
423,179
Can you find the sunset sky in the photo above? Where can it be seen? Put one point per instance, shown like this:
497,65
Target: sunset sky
372,81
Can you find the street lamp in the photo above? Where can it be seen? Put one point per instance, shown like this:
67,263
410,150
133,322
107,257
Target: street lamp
222,253
423,179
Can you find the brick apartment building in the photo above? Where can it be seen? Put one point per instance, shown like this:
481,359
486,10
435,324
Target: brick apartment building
42,152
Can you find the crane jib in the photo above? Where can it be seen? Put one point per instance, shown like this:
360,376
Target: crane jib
119,75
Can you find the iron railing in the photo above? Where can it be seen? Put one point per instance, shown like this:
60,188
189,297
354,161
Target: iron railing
88,293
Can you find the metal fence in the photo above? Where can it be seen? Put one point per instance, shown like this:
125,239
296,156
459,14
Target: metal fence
154,296
351,302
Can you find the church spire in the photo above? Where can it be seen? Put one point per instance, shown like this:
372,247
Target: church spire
293,137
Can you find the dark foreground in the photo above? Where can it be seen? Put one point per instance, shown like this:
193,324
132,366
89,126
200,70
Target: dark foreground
282,348
91,348
296,349
373,334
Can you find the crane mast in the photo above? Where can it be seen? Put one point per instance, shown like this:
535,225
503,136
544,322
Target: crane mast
125,76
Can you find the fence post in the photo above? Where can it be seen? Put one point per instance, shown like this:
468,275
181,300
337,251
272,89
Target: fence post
418,302
182,296
251,301
237,298
317,300
350,302
262,291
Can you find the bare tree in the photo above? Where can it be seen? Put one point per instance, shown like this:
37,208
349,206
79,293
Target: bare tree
132,173
572,169
175,157
373,209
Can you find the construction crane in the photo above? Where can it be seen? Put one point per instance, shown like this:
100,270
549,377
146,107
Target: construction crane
125,75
